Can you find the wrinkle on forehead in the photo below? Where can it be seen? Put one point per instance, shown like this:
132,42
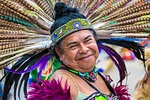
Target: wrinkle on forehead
71,39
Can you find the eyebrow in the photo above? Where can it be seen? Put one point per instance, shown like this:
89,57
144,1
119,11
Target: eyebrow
71,43
76,42
87,37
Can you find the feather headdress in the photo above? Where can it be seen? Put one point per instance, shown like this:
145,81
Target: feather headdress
25,24
25,35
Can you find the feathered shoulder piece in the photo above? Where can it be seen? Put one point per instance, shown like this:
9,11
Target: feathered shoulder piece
49,91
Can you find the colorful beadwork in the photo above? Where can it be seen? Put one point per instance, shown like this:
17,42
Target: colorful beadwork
70,27
91,76
100,96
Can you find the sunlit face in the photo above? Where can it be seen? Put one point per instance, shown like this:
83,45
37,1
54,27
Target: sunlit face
80,51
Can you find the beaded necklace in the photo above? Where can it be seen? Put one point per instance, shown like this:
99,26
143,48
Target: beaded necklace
91,76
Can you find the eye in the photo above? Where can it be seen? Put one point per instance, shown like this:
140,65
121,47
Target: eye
73,47
88,41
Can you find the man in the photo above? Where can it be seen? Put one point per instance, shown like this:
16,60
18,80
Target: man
80,52
74,45
76,48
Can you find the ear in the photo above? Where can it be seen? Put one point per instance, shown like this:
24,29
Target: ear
58,53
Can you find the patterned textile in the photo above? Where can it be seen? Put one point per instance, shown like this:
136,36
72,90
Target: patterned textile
100,96
71,26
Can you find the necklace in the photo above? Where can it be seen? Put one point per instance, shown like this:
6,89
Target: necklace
91,76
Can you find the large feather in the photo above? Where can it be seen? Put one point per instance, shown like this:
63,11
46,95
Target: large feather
118,61
11,77
136,48
27,20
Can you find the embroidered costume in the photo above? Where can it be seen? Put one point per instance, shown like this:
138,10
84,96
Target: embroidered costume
97,95
31,30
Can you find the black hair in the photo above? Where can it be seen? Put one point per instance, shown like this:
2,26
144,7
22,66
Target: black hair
63,15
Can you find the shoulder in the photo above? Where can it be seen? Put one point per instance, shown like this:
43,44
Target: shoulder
61,75
67,79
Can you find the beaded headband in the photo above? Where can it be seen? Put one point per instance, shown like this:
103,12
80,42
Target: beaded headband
70,27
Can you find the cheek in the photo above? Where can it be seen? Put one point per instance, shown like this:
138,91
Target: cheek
64,60
97,53
95,49
69,56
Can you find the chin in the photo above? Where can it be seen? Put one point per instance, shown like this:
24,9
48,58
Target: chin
89,66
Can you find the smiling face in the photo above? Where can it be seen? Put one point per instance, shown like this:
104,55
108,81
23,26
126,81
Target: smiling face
80,51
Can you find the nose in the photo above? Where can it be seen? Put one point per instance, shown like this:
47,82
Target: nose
83,48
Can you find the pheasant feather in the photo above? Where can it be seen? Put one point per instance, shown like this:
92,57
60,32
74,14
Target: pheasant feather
25,32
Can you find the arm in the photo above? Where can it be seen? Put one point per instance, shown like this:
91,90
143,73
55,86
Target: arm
60,87
66,80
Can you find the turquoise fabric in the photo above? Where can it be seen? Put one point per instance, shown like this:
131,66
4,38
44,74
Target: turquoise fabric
81,96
